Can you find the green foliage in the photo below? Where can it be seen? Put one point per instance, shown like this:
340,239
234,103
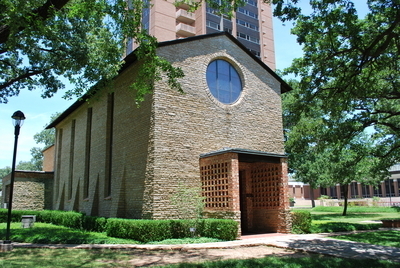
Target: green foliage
4,172
140,230
301,222
357,209
65,218
349,80
219,228
188,240
157,230
80,41
94,224
26,165
188,202
332,227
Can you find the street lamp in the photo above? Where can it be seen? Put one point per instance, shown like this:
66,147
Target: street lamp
18,120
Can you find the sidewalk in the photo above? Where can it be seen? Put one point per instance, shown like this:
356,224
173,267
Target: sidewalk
310,243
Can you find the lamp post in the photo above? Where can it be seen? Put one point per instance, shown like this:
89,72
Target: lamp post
18,119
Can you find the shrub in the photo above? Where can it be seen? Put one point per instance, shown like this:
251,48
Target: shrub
16,215
219,228
301,222
140,230
157,230
94,224
332,227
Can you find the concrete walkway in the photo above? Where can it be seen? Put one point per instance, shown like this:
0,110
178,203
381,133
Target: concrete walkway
312,243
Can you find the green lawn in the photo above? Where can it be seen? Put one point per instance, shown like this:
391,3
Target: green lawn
390,238
354,214
71,258
45,233
323,217
330,219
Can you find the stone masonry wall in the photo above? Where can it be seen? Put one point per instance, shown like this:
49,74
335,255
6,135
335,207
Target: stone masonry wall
194,123
32,190
156,147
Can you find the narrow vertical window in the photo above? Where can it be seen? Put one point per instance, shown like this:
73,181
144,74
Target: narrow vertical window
58,164
71,159
87,153
109,138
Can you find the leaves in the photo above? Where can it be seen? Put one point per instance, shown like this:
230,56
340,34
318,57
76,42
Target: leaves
350,71
44,43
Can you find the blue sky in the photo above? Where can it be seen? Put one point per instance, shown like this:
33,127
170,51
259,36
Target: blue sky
38,111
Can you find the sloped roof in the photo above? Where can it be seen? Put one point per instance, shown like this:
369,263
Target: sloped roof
131,58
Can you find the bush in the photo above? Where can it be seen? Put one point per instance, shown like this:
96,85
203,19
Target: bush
140,230
301,222
94,224
332,227
65,218
219,228
16,215
157,230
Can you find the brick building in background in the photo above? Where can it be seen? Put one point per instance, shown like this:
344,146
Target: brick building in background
251,24
223,135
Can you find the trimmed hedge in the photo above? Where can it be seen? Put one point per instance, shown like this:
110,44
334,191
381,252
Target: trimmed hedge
157,230
301,222
140,230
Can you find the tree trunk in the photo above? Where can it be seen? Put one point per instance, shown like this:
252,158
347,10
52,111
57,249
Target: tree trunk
345,191
312,197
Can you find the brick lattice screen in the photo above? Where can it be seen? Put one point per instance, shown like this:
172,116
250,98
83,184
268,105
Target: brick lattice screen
215,185
266,183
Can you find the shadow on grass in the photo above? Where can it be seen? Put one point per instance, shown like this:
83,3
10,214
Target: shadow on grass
40,235
61,235
272,262
141,258
389,238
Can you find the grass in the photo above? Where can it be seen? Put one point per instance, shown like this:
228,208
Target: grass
45,233
287,262
46,258
330,219
323,218
390,238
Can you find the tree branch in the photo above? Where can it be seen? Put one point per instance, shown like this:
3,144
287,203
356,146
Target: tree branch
19,78
41,13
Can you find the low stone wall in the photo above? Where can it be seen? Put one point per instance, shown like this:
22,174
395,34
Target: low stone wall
32,190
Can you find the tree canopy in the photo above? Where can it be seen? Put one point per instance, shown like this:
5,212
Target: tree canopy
349,70
343,118
325,163
45,43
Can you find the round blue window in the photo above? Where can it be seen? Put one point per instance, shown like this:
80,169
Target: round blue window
223,81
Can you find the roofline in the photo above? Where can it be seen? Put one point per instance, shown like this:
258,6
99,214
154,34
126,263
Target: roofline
242,151
131,58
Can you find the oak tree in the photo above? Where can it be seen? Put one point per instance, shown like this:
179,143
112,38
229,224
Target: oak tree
350,69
